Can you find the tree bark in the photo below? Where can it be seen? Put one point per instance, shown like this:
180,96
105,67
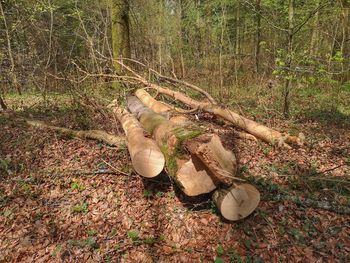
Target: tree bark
258,36
162,107
90,134
3,106
208,164
258,130
13,75
315,34
287,85
120,30
147,159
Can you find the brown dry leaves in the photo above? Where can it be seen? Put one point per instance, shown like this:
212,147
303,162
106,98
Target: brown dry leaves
48,212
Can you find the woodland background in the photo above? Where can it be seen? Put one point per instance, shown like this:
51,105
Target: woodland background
283,63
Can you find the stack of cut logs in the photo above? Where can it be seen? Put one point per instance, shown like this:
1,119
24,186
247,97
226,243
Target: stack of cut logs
195,160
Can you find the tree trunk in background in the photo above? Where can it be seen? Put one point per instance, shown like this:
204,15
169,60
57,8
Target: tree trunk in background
258,36
3,106
120,30
315,33
288,82
237,40
9,51
345,42
238,29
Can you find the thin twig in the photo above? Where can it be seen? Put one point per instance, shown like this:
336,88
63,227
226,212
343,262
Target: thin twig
114,168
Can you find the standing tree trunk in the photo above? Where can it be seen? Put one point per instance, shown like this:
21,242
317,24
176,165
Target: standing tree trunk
315,34
237,41
288,82
3,106
258,36
345,43
120,30
13,75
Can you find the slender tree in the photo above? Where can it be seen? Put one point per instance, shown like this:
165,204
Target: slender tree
13,75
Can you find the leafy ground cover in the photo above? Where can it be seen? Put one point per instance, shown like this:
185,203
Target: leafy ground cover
64,199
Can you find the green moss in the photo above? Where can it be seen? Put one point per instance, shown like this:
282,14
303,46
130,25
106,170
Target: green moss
182,135
151,121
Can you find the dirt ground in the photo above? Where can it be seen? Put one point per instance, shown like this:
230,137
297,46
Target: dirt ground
69,200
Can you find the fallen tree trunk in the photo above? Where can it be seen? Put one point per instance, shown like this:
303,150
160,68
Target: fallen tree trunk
162,107
147,159
258,130
208,165
98,135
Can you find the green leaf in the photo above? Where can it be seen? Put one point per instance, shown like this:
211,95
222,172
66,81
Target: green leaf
134,235
219,250
218,260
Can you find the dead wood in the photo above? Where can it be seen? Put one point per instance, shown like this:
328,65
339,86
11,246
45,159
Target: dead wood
207,155
237,202
98,135
147,159
258,130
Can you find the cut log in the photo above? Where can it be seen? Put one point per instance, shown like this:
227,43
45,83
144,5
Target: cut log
162,107
258,130
150,102
147,159
208,148
237,202
157,106
188,172
90,134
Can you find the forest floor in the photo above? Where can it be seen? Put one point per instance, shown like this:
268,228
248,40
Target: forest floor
63,199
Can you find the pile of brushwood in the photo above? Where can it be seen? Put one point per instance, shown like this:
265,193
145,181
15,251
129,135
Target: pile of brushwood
160,137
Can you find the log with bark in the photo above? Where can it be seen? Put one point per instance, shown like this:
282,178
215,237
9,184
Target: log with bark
258,130
147,159
98,135
196,161
162,107
234,203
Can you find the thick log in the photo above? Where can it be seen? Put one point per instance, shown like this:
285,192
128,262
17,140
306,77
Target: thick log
147,159
90,134
208,167
237,202
157,106
162,107
208,148
150,102
190,175
234,203
258,130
